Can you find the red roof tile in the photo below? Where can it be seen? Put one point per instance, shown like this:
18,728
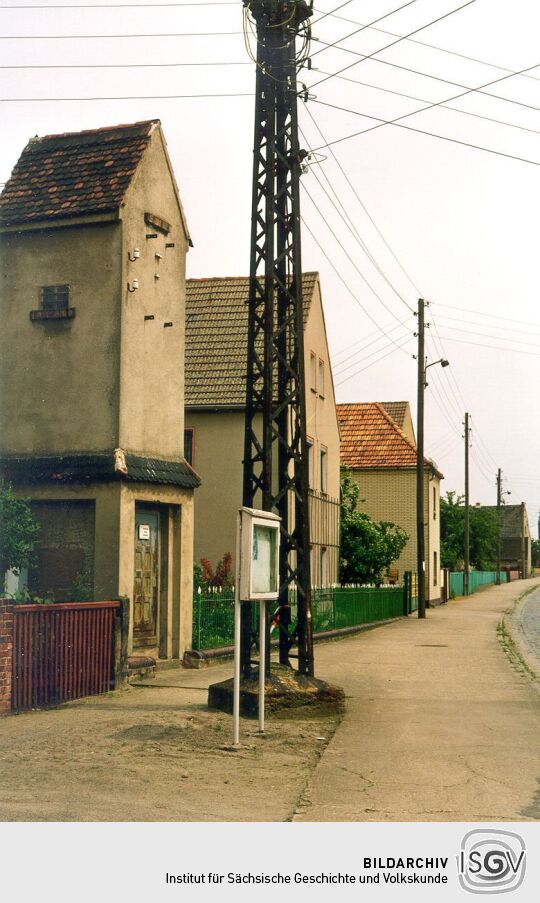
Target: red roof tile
370,438
79,173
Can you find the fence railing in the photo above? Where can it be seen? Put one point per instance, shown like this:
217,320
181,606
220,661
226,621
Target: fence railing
62,651
476,579
333,608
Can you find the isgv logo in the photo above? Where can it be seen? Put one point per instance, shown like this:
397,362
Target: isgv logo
491,862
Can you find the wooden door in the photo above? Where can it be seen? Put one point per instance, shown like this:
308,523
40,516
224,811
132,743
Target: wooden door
147,570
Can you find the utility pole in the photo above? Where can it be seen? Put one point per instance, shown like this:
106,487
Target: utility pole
421,584
499,501
275,442
466,523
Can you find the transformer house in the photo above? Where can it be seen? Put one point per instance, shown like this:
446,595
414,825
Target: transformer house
93,251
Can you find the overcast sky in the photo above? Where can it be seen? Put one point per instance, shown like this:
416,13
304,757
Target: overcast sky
400,213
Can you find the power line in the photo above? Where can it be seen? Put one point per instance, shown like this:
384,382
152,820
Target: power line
372,353
410,128
362,27
429,75
361,370
84,37
484,314
123,65
463,56
348,256
122,5
331,13
342,367
441,103
123,97
342,280
360,201
365,341
397,41
492,347
341,210
504,329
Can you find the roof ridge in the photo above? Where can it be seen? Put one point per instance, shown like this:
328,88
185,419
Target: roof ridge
238,278
96,131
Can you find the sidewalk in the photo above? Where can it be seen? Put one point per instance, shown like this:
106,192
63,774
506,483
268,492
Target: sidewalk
438,727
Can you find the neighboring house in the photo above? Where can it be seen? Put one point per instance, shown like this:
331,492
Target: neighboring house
382,460
516,537
400,412
216,366
94,242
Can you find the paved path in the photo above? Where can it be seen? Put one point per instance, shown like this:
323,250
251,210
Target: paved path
525,626
440,726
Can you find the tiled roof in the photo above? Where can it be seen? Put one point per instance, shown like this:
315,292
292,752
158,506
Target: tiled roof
370,438
511,519
83,468
397,410
216,338
74,174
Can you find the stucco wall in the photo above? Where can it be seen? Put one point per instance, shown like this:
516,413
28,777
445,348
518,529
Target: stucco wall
151,371
58,379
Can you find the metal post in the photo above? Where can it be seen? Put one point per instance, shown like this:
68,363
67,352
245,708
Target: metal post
262,662
275,386
421,586
466,520
237,637
499,499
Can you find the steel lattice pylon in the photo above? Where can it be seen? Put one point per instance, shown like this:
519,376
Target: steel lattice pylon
275,447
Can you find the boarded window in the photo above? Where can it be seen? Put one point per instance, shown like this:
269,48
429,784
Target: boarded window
324,470
65,553
313,371
55,297
321,378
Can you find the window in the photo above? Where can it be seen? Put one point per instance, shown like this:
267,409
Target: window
435,575
324,469
324,573
434,503
321,378
55,297
54,304
188,445
310,462
313,371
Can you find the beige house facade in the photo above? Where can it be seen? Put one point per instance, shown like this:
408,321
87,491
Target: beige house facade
216,363
381,458
93,250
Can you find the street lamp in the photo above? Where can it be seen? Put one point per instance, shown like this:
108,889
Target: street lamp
423,367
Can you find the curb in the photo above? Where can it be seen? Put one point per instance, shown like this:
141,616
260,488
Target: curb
515,644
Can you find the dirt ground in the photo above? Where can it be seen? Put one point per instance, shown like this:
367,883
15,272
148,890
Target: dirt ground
155,753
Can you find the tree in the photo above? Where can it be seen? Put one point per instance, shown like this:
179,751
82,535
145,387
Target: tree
483,534
19,531
367,548
535,553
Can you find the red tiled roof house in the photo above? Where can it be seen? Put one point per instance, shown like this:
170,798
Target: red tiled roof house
382,460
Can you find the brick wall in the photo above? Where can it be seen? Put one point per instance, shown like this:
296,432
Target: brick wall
6,653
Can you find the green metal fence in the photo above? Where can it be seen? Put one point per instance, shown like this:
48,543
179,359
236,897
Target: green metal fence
331,609
476,579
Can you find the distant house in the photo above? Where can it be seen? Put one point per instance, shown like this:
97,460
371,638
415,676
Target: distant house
400,412
94,242
382,460
516,537
216,365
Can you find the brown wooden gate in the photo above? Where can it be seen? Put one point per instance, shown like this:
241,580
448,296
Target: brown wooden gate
61,652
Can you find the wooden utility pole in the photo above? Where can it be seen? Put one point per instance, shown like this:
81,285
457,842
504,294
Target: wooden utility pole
466,522
499,500
421,584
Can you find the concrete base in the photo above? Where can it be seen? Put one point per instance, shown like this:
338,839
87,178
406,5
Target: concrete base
285,689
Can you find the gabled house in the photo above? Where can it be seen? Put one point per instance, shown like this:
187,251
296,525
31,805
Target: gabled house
516,539
382,460
93,249
216,365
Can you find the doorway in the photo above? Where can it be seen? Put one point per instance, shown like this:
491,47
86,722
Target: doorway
146,586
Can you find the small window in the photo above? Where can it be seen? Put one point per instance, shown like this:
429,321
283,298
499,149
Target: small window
320,384
435,577
324,470
55,297
324,565
188,445
313,371
434,503
310,462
